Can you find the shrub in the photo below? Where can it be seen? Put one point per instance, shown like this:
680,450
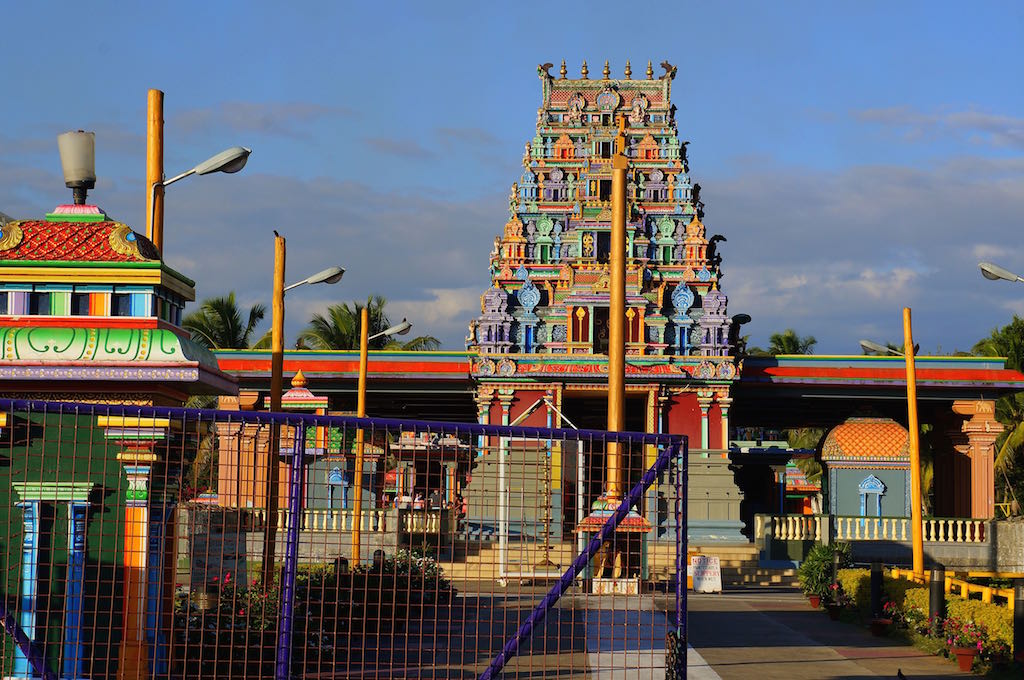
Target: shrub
997,622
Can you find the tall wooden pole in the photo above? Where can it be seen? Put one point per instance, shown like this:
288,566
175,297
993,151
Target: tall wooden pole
155,169
617,316
357,477
915,447
276,380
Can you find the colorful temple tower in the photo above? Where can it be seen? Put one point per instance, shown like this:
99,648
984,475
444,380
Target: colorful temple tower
542,335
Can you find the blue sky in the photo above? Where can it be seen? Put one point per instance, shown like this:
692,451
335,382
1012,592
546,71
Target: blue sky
859,157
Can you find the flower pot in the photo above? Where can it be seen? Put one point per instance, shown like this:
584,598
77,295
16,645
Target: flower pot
880,626
965,657
834,610
815,600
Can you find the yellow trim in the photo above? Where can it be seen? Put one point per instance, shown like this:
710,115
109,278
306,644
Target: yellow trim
117,276
3,420
131,421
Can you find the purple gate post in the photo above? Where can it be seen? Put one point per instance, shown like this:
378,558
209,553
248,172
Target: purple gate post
291,554
682,545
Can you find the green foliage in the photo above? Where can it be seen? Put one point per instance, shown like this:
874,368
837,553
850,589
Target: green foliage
340,329
217,324
815,572
996,620
1008,342
788,342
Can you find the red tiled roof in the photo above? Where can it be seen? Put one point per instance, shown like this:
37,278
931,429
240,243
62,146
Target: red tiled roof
106,241
877,438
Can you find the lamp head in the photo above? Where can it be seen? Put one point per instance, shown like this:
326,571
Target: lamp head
329,275
875,348
740,319
399,329
994,272
229,161
78,161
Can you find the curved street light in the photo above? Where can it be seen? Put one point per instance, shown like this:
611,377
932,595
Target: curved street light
230,160
994,272
869,346
364,343
330,275
402,328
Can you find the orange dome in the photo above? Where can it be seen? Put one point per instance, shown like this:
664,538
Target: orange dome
872,438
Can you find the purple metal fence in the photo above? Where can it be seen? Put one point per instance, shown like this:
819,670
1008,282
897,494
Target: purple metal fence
462,527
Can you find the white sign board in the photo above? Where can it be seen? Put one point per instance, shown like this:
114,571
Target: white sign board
707,573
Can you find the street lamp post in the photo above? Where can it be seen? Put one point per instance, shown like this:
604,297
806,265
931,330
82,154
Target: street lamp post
330,275
229,161
364,343
917,537
909,350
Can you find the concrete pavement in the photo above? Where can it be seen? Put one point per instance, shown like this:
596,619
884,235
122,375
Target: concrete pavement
768,634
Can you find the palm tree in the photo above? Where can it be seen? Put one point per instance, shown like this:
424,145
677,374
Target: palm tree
1008,342
788,342
217,324
339,329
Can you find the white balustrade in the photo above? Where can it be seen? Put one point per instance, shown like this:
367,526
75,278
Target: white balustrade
796,527
324,520
854,528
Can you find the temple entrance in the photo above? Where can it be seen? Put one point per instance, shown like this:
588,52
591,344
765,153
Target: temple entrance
600,338
584,473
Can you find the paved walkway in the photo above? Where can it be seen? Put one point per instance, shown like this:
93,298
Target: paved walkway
766,634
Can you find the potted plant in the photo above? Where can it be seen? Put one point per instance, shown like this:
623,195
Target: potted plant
837,601
964,640
815,572
880,624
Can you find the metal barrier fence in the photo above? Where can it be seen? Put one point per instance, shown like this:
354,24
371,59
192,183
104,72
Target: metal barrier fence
136,543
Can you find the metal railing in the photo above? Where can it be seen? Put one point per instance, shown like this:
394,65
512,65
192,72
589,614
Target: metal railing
134,537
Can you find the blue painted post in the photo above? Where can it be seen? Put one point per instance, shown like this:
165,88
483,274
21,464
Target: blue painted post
160,513
74,652
29,583
291,558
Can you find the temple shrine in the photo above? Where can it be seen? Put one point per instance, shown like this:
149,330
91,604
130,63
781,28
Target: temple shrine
89,312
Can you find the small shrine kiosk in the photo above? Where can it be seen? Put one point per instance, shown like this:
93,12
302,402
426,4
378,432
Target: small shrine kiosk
867,468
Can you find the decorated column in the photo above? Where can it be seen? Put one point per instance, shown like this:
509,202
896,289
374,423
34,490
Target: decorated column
704,399
38,498
981,429
142,653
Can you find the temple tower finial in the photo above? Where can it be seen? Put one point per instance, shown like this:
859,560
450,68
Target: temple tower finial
585,72
562,71
629,71
607,72
650,71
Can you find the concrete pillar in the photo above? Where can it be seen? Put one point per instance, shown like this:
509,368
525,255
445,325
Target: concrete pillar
981,428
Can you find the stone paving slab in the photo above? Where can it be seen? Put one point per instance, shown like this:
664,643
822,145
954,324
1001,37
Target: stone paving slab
767,634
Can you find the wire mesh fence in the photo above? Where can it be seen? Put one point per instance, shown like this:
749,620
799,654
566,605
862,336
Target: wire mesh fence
147,542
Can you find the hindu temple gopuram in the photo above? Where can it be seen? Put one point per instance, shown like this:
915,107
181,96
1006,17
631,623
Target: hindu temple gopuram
542,337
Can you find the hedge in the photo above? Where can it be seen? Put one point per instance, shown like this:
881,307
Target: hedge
912,600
